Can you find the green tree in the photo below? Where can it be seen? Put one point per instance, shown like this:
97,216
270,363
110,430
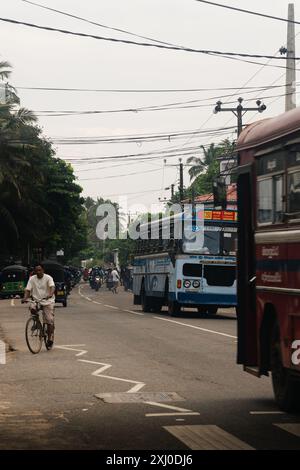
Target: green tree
40,201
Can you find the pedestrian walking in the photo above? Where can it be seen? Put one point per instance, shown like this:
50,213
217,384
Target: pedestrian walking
115,280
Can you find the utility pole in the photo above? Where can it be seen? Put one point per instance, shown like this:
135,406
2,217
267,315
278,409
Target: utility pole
181,183
290,99
239,111
181,179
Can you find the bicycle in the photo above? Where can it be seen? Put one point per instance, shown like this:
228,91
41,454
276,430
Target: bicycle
35,331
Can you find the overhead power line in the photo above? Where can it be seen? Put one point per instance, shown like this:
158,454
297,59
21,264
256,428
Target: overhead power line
250,12
120,175
145,90
144,44
166,107
94,23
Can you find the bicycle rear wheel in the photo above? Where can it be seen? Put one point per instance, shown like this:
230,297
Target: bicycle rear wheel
34,335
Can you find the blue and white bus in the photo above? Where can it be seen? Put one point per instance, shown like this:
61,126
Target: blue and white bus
187,272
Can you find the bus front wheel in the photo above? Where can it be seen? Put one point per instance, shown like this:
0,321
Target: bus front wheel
286,388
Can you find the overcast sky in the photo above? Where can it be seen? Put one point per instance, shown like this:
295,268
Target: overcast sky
50,59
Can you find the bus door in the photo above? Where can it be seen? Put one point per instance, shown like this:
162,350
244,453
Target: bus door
246,311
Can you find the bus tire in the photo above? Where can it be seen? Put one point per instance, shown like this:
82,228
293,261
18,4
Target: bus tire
212,310
156,307
286,388
173,308
202,310
145,302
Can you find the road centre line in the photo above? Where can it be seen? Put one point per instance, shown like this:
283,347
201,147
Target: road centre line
135,313
197,327
266,412
109,306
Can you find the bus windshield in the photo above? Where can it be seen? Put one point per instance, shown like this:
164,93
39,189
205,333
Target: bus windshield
215,241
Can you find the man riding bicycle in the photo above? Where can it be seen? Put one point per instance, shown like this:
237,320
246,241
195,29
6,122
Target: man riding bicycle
41,288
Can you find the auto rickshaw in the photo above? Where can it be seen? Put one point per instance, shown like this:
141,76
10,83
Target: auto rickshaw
56,271
13,281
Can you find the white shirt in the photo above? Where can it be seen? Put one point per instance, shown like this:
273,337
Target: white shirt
115,275
40,288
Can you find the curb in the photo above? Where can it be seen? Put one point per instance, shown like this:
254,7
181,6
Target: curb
8,344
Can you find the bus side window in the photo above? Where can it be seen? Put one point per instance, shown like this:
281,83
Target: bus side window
270,200
278,198
293,191
264,192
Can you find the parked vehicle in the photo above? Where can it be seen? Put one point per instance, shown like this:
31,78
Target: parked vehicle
13,281
57,271
269,254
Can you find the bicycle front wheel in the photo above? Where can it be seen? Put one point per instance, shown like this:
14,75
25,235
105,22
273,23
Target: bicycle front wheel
34,335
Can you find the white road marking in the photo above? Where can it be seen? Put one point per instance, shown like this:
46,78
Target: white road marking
131,311
191,413
196,327
12,302
292,428
98,373
70,347
108,306
111,306
207,437
266,412
136,388
169,407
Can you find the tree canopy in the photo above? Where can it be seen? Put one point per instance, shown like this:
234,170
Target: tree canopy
41,207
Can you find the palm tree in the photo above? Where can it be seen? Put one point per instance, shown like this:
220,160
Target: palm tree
226,147
199,164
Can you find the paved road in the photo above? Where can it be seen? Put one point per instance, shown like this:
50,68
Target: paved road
164,383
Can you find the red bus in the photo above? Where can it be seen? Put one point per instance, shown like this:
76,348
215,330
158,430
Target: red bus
269,254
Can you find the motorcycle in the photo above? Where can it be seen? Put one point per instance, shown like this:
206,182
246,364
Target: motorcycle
97,283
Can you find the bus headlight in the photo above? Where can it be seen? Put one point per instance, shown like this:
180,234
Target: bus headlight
196,284
187,284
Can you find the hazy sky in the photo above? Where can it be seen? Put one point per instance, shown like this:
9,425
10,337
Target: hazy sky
50,59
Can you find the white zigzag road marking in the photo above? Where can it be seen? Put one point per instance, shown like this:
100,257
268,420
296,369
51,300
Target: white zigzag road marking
98,372
70,347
